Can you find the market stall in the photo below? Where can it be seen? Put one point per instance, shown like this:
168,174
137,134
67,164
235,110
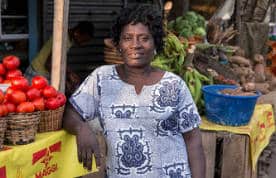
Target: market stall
200,63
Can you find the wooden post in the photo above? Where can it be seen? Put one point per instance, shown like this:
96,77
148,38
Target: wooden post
58,73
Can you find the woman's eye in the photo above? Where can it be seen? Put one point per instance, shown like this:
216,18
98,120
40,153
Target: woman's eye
145,39
127,38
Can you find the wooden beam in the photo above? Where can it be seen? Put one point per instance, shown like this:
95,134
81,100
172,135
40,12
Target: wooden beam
58,72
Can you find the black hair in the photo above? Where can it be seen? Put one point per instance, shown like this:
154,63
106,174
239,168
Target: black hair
85,27
145,14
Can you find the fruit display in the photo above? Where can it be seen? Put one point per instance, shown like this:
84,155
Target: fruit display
9,68
23,96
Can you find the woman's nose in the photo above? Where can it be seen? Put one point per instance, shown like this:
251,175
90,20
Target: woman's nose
136,43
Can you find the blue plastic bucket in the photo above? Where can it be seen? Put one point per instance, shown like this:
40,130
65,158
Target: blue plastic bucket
227,109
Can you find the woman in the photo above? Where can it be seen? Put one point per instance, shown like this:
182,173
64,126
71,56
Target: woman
144,112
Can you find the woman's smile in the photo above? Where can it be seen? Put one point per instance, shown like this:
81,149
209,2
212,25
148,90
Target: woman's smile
135,55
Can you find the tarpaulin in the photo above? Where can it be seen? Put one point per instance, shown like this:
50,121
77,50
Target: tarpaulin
52,155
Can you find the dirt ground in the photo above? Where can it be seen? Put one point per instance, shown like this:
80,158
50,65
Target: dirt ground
272,168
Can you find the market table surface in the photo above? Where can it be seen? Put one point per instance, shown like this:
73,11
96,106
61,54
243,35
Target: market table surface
52,155
259,129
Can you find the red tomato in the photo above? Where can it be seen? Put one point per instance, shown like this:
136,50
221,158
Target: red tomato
1,79
13,73
7,82
25,107
39,82
49,92
2,96
52,103
39,104
2,69
20,83
11,62
3,110
9,91
61,98
17,97
33,93
11,107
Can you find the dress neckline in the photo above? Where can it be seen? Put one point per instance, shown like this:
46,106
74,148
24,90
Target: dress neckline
133,86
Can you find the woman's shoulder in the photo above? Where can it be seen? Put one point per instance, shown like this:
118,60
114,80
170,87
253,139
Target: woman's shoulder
103,70
172,76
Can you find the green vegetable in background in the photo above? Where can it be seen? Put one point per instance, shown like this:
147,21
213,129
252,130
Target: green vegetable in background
191,17
182,24
188,25
173,56
171,24
200,31
200,21
178,19
186,32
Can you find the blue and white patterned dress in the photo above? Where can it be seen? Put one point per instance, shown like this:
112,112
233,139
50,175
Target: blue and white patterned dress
143,131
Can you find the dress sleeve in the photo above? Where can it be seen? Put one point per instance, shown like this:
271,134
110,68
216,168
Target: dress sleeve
187,114
86,98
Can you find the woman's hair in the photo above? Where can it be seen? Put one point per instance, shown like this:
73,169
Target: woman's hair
145,14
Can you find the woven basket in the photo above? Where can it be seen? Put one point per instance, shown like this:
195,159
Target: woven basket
112,56
51,120
3,127
21,128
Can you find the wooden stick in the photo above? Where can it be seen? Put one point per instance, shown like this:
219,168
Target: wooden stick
58,74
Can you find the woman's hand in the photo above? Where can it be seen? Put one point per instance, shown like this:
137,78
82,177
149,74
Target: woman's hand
87,145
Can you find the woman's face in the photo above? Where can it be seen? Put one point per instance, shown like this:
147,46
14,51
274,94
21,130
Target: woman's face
136,45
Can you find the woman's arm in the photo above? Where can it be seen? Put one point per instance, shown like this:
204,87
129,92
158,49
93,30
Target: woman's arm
195,153
87,143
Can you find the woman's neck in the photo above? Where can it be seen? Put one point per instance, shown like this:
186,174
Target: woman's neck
136,73
139,76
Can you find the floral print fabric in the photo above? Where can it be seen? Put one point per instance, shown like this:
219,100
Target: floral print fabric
143,131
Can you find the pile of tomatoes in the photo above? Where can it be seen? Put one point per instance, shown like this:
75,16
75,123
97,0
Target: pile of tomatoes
24,97
9,68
